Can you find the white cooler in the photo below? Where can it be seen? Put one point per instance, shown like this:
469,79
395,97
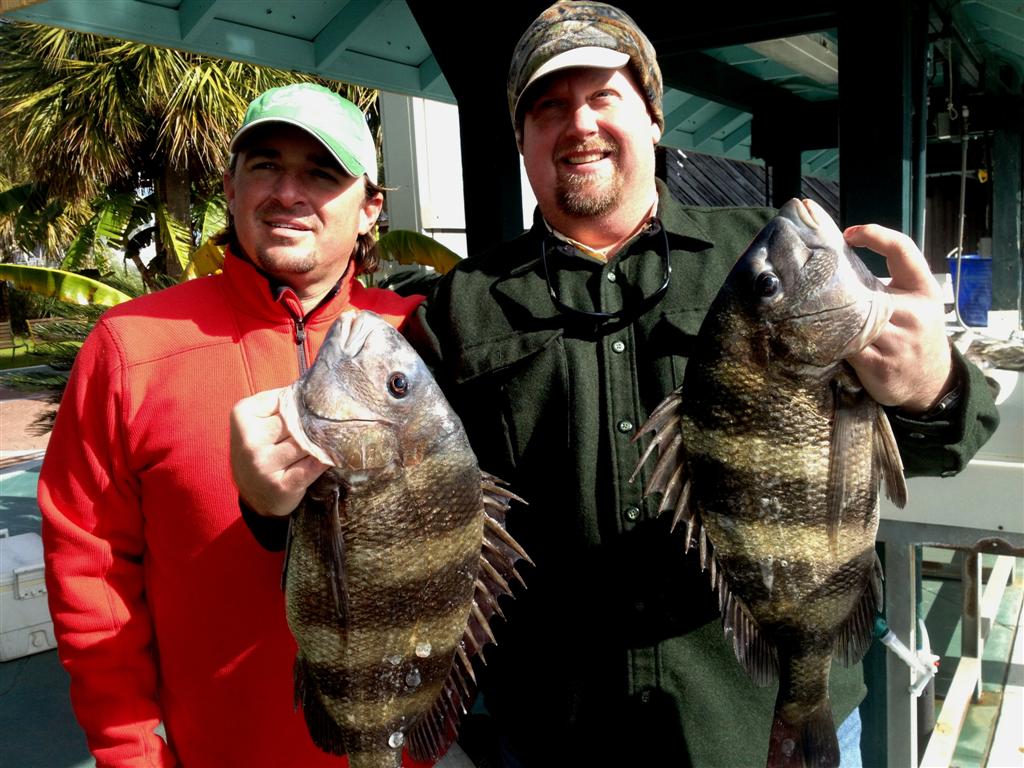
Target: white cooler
25,624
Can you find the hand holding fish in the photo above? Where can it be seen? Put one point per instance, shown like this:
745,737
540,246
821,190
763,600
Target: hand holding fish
271,470
909,364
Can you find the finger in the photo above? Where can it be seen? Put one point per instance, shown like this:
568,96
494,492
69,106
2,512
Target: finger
304,471
907,265
263,403
285,454
265,431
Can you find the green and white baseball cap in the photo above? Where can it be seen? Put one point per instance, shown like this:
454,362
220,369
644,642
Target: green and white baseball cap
332,119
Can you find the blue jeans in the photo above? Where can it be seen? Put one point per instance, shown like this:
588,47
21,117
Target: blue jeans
848,735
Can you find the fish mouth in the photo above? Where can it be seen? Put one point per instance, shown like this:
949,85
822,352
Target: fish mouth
804,213
353,422
288,406
824,311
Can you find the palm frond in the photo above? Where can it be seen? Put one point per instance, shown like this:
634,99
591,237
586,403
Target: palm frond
174,235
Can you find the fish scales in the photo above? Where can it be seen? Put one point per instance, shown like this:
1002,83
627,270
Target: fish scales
396,555
779,455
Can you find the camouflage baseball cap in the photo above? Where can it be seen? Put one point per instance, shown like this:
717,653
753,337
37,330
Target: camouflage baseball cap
582,34
332,119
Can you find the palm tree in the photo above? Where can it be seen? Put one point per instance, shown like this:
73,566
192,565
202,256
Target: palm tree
120,143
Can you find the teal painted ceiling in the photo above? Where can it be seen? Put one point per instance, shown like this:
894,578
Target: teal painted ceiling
378,43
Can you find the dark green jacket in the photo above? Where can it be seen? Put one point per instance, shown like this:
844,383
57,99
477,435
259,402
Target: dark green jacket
615,652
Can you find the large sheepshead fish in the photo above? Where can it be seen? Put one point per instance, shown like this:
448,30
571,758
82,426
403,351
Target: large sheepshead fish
397,555
771,454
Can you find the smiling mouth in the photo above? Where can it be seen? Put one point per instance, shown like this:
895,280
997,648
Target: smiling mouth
287,225
585,158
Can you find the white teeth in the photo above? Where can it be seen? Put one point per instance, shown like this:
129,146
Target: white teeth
580,159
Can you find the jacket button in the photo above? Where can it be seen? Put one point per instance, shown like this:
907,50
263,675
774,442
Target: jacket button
645,697
625,426
632,513
611,277
618,347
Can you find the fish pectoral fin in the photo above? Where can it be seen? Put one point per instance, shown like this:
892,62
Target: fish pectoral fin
288,548
854,413
331,545
854,636
889,462
322,729
754,652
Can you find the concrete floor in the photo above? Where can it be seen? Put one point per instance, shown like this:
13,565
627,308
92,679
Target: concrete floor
39,729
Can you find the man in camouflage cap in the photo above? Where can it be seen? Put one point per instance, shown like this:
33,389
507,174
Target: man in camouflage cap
583,35
554,348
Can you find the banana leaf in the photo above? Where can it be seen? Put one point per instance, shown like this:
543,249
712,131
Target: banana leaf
65,286
205,260
407,247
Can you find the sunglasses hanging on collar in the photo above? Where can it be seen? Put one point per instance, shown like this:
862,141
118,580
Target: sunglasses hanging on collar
655,228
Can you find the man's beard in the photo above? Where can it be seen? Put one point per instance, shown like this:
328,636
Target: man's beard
281,256
584,195
288,262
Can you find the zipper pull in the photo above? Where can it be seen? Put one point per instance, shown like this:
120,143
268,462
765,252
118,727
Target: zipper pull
300,331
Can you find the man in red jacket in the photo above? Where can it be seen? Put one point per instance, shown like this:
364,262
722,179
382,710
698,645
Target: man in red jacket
165,607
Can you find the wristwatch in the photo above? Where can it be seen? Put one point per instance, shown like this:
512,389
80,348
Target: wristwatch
949,401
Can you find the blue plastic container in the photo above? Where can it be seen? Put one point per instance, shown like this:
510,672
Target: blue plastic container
975,292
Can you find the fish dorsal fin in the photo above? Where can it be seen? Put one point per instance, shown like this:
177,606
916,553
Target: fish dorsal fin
671,479
437,729
855,634
888,461
322,728
853,412
669,476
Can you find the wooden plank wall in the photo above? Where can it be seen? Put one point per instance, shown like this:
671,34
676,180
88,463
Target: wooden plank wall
698,179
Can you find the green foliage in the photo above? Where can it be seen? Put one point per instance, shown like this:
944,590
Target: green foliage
407,247
22,305
175,235
111,146
65,286
96,132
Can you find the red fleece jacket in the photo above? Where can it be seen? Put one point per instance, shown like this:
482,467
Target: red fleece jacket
164,605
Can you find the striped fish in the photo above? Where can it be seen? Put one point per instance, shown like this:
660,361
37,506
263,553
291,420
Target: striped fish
396,556
771,454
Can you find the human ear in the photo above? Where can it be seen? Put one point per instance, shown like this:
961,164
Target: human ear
369,211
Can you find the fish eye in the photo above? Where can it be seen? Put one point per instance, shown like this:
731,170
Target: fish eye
766,285
398,385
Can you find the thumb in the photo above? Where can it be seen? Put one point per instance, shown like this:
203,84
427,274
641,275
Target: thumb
907,265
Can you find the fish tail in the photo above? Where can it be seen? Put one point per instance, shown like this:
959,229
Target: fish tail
809,743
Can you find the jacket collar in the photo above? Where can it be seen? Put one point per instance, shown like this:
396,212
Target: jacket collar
685,232
521,291
254,292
